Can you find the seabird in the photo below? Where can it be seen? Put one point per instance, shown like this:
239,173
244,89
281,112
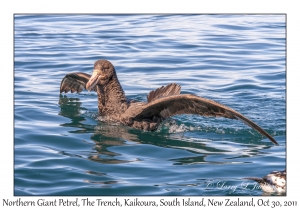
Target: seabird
164,102
273,182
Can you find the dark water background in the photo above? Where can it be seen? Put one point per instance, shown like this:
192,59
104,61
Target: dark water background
59,147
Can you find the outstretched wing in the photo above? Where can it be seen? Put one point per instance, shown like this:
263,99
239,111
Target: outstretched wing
75,82
170,89
191,104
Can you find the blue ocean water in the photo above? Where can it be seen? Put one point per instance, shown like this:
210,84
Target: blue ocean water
61,149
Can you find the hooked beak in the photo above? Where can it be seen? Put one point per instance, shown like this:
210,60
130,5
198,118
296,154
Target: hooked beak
95,78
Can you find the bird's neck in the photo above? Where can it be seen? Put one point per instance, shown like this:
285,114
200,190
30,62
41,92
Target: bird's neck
111,99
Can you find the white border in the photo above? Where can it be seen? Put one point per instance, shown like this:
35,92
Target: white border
155,6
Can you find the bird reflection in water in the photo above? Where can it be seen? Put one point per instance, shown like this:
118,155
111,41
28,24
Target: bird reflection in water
103,135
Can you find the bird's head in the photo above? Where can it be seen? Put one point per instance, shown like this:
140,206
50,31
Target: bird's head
102,74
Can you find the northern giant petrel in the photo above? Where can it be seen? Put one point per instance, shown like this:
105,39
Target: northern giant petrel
161,103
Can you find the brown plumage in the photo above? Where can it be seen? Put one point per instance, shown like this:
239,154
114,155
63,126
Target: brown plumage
161,103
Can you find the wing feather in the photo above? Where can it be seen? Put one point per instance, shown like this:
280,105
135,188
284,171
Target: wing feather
191,104
75,82
170,89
